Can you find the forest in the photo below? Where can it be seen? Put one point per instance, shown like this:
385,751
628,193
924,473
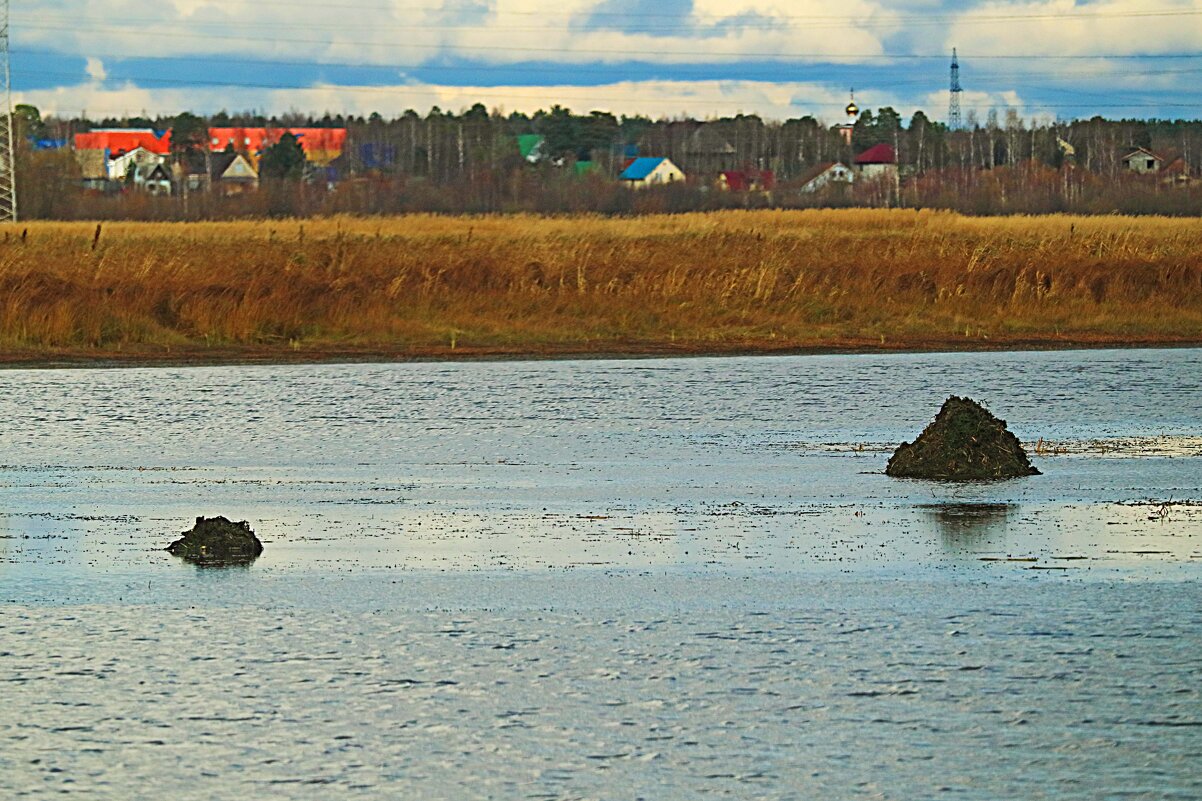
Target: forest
472,162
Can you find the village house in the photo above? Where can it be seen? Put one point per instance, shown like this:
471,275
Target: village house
821,176
119,141
226,174
749,180
232,174
107,156
1176,171
126,164
93,169
111,158
153,179
650,171
707,152
532,147
1142,161
878,161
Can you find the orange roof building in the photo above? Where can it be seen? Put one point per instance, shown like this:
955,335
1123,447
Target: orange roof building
321,145
119,141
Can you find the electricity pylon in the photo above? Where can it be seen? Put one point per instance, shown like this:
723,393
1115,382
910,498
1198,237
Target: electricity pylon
8,168
953,103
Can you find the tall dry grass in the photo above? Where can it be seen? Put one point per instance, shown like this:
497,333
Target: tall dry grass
695,282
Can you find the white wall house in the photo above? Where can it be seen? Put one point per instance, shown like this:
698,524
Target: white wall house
138,159
645,172
824,175
879,161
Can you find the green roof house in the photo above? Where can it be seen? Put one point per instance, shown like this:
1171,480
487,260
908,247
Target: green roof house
531,147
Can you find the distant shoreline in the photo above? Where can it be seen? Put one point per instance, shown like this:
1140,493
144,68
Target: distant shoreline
267,357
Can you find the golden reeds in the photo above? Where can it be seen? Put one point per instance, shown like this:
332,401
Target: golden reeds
728,281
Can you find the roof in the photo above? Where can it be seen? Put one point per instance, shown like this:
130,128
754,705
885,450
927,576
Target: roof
878,154
153,172
136,153
122,140
640,168
818,170
256,140
529,144
1176,166
707,140
1141,151
747,180
222,162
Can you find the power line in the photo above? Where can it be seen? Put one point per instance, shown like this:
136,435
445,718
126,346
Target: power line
711,54
677,19
571,69
540,93
674,25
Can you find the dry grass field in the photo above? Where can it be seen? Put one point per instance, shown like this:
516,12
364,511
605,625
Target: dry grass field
720,282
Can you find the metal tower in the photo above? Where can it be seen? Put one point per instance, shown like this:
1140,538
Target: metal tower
8,170
953,103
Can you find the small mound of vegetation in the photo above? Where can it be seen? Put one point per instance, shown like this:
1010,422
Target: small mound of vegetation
964,443
216,540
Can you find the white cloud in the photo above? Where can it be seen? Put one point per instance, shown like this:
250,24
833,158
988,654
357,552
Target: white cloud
505,31
1066,28
399,34
701,99
95,69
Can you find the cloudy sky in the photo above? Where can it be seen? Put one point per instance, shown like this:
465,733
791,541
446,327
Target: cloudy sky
704,58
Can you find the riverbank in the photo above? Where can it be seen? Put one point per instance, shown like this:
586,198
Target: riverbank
251,355
412,288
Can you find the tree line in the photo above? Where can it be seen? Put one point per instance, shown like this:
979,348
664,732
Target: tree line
470,161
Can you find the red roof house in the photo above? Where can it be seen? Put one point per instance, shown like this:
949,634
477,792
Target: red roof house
747,180
878,154
877,162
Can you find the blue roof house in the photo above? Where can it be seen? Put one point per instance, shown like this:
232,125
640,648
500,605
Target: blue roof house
650,171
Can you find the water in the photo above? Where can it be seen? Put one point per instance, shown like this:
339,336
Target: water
602,579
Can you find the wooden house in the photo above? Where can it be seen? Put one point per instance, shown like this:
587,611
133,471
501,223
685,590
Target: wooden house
823,176
650,171
1142,162
747,180
121,166
232,174
878,161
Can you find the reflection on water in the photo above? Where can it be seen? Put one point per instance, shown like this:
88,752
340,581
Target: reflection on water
964,523
211,563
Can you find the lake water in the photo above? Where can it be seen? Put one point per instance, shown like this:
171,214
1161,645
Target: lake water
660,579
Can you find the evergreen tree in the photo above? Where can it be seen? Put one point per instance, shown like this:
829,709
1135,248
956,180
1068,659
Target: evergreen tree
283,161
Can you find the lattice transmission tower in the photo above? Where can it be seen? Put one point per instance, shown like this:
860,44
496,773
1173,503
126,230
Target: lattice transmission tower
8,167
953,102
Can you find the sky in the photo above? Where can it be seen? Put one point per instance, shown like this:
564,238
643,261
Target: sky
779,59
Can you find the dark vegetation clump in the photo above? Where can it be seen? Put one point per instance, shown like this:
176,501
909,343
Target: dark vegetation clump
964,443
215,540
